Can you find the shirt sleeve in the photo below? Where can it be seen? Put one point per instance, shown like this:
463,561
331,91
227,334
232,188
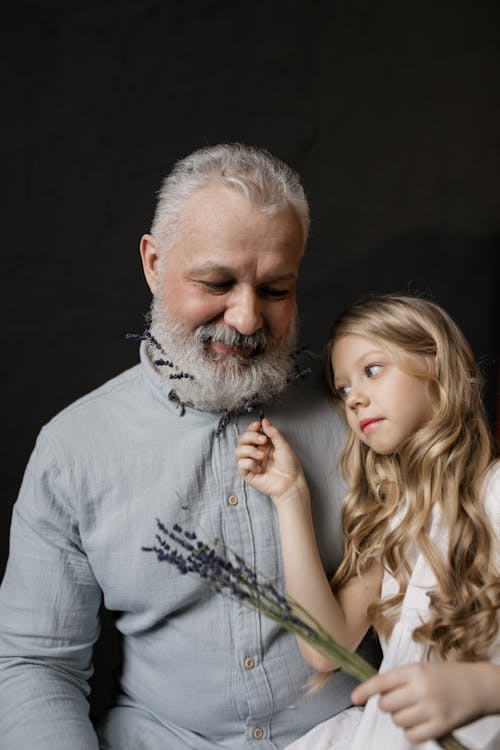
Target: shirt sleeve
49,618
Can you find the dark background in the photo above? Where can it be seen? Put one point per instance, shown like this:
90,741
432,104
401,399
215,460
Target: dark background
389,110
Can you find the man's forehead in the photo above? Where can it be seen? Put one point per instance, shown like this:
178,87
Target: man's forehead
212,194
222,208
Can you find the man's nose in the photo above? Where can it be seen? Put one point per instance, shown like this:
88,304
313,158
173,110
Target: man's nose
243,311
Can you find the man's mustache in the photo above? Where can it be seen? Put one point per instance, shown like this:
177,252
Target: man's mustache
210,332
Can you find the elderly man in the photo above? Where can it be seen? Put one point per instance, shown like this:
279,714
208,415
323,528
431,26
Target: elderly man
199,671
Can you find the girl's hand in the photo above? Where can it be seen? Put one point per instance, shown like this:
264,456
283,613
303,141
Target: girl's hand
430,699
267,462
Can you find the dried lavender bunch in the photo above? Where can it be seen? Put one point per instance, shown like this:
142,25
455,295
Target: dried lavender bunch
229,574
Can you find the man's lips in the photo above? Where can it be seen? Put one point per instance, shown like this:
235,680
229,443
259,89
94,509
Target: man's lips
235,351
367,425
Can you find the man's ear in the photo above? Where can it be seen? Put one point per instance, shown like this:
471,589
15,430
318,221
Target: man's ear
150,260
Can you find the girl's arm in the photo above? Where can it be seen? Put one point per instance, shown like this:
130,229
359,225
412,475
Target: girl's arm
430,699
267,462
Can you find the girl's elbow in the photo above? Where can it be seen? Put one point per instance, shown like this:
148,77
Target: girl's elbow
316,660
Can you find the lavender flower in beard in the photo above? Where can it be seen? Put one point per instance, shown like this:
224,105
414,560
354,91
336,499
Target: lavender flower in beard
224,382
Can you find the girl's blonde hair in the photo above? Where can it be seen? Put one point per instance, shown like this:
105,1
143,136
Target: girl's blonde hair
443,464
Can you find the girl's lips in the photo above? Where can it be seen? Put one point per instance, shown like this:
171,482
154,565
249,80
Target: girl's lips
367,425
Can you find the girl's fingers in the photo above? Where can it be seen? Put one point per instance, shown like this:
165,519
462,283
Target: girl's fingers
409,717
362,692
252,438
259,433
396,700
271,431
424,731
378,684
249,451
274,435
249,466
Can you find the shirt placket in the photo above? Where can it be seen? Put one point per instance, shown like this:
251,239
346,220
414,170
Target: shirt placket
241,534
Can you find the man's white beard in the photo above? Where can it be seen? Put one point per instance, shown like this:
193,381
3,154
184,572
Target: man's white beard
222,382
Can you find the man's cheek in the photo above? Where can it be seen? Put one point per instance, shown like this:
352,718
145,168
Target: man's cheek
279,322
192,310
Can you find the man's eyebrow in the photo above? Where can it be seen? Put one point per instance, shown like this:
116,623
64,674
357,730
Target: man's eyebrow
278,278
230,272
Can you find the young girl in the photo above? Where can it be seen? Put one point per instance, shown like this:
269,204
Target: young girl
421,525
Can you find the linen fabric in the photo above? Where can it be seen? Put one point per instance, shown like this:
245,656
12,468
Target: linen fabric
102,471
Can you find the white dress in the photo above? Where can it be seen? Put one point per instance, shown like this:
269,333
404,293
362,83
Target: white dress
372,729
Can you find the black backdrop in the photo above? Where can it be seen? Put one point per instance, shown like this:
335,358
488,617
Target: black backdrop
389,110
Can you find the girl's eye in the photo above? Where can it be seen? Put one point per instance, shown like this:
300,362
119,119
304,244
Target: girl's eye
373,370
343,391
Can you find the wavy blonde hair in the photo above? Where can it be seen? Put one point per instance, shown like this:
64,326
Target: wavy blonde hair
443,464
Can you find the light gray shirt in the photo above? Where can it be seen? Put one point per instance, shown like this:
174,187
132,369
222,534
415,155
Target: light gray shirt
199,670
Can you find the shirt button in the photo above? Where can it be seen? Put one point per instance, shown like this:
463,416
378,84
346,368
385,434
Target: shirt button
249,663
258,733
232,500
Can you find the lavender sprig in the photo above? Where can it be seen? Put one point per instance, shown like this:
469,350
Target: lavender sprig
241,582
148,336
237,580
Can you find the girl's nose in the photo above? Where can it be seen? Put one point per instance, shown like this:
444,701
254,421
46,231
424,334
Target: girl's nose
356,398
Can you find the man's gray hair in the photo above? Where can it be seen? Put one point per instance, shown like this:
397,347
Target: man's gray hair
260,177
